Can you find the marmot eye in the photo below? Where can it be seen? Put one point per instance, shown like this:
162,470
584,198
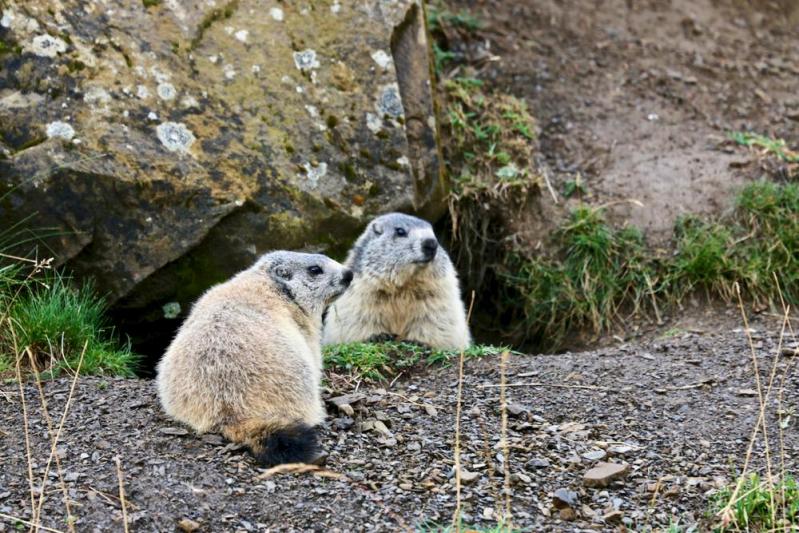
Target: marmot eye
400,232
315,270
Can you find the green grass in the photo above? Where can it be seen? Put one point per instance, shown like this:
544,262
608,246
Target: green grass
53,318
379,361
442,22
599,275
439,17
488,138
597,270
758,506
769,145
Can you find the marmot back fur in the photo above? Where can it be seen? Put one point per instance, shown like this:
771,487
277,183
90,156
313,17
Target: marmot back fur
247,361
404,286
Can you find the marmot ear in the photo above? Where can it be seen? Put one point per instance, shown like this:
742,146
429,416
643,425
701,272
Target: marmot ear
377,228
283,272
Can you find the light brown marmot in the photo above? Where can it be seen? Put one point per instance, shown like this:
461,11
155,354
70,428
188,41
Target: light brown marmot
247,361
404,285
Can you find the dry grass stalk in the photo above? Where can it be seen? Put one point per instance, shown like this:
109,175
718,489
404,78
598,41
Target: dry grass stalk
456,522
781,391
503,398
726,514
49,421
539,384
27,523
122,502
298,468
24,423
57,437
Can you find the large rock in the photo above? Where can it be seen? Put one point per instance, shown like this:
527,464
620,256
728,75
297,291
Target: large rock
170,143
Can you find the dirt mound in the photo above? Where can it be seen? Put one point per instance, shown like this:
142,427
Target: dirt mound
678,412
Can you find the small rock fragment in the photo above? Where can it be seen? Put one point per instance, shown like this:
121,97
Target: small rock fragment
381,428
188,525
595,455
538,462
344,423
564,498
468,477
621,449
604,473
347,399
177,431
213,439
514,409
568,514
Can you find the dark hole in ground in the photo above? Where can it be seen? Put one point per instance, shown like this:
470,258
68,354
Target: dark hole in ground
150,332
149,338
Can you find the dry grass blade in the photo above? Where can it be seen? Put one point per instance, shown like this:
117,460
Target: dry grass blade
503,398
457,445
726,511
24,423
60,428
27,523
49,421
122,502
298,468
539,384
781,391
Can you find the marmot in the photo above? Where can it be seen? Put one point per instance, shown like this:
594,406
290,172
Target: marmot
405,286
247,361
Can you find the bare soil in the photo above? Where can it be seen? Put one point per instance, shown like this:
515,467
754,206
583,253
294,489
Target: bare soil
637,98
678,410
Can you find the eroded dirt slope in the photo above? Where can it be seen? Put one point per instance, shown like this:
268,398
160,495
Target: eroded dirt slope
638,97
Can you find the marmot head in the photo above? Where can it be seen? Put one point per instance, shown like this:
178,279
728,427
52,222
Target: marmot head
396,248
311,281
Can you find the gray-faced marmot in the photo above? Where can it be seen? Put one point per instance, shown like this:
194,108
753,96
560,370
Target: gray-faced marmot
404,285
247,361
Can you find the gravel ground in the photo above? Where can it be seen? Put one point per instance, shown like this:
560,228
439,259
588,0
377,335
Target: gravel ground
679,411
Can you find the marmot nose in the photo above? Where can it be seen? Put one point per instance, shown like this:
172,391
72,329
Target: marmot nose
346,278
429,248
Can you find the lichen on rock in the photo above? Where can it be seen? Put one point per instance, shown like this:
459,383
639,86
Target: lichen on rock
175,137
61,130
47,46
306,60
202,128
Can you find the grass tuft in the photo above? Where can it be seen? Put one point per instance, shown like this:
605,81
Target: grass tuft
597,270
53,319
769,145
759,506
599,275
379,361
489,154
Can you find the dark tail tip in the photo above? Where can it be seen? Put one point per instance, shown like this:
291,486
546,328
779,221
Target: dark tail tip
294,444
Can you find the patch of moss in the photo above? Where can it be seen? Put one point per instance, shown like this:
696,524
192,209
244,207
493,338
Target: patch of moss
150,3
75,66
225,12
347,168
